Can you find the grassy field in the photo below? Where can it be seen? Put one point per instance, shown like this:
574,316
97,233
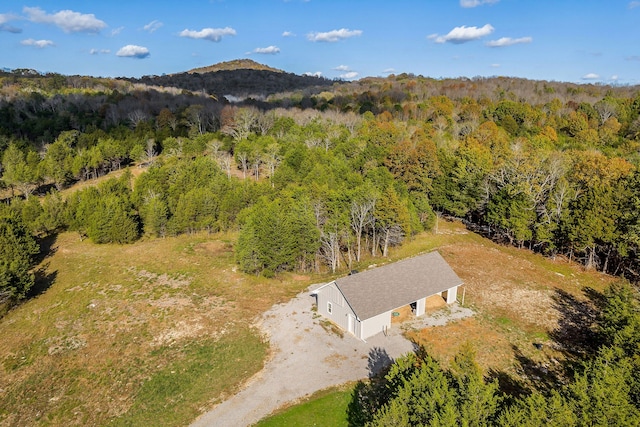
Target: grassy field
162,329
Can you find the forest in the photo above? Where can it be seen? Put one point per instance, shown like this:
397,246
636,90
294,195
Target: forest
313,178
311,175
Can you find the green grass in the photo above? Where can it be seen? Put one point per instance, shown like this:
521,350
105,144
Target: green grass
178,391
325,408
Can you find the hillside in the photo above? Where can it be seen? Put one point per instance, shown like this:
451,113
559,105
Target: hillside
242,78
236,64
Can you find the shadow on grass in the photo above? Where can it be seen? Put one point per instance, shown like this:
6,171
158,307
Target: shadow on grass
575,338
44,280
575,335
47,247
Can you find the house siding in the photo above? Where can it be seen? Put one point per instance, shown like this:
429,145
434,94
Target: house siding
340,309
375,324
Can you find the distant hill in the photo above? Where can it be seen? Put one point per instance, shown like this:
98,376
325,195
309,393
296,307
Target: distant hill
238,80
236,64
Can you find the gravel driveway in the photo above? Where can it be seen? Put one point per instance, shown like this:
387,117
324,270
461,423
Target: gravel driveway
307,358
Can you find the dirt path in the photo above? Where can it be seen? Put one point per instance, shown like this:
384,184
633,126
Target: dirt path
306,358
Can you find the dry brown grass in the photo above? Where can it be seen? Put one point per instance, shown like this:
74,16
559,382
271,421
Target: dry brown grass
514,294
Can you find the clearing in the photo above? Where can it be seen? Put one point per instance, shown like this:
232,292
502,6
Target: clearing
166,328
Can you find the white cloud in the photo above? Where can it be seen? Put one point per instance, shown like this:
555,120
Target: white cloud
4,26
212,34
97,51
342,68
634,4
633,58
495,65
475,3
508,41
133,51
463,34
316,74
67,20
37,43
615,78
388,71
270,50
153,26
349,75
288,34
591,76
116,31
334,35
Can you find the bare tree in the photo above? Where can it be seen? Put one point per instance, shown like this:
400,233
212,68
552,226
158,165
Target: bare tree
361,217
196,118
214,147
136,117
225,161
256,162
149,153
242,125
243,158
271,158
265,121
330,248
605,110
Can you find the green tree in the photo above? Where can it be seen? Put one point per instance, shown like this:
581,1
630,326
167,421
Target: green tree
17,251
21,171
58,160
600,393
277,235
112,221
155,216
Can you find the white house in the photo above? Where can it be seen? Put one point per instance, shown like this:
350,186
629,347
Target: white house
362,303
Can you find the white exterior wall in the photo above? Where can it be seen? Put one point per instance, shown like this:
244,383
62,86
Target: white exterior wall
450,295
340,308
420,306
375,324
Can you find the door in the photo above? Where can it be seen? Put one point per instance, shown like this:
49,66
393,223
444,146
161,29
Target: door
350,324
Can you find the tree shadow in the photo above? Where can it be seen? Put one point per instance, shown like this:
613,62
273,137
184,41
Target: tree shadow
508,384
47,247
44,279
575,335
378,361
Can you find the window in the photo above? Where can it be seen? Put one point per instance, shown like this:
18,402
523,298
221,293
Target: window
329,308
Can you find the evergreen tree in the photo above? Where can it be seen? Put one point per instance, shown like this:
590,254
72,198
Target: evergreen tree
17,251
277,236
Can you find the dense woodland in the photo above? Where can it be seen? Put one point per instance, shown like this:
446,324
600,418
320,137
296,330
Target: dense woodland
319,176
315,178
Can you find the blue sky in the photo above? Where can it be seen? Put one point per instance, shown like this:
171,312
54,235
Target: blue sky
576,41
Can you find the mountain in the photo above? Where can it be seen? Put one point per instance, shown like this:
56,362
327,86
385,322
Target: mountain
238,80
236,64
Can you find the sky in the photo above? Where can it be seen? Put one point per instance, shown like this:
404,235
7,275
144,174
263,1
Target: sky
581,41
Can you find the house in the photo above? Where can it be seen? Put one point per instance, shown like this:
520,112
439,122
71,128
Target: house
362,303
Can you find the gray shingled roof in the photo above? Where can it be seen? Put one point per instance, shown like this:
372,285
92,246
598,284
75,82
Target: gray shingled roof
395,285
